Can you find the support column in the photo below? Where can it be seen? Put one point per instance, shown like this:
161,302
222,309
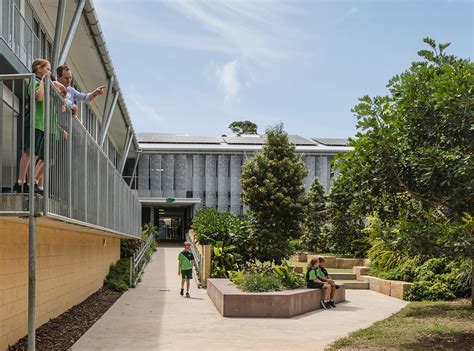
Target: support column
57,34
72,30
309,163
167,177
211,186
180,171
198,179
223,186
144,176
155,176
235,188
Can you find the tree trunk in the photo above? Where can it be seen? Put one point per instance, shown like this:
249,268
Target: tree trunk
472,283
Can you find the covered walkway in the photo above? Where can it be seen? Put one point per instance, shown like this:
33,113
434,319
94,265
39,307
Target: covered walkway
154,316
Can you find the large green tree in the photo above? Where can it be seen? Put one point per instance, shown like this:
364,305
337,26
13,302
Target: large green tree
243,127
315,216
413,159
272,183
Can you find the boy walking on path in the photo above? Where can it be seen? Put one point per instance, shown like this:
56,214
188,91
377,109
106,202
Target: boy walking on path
185,267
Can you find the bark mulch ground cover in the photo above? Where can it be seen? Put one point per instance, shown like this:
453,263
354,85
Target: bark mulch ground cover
63,331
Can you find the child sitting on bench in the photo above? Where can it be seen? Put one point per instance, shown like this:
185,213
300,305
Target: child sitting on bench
314,281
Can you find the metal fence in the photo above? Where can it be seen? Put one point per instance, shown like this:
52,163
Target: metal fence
17,33
81,184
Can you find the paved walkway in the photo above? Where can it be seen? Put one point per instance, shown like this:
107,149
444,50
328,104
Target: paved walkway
154,316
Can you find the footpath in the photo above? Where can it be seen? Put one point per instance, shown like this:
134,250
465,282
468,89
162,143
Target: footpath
153,316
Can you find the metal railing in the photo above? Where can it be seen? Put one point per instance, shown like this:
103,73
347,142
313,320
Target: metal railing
138,260
81,185
197,259
18,34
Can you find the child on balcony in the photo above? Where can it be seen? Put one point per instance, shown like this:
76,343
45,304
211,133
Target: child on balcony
42,69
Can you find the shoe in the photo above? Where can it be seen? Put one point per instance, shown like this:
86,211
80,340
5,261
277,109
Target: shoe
181,292
38,190
333,305
17,188
26,188
187,295
337,286
323,305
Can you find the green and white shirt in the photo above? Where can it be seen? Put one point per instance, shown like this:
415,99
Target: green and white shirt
185,257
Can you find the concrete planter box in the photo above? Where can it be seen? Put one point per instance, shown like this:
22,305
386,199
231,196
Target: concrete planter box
349,262
232,302
392,288
301,257
360,270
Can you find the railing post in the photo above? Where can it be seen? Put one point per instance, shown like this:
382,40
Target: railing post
69,161
47,111
32,227
131,270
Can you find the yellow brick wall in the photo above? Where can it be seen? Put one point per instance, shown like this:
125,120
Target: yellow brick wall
71,265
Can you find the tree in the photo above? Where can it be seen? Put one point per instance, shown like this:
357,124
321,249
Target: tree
243,127
343,231
272,184
315,216
414,149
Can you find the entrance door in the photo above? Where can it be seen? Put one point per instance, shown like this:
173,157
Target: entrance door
170,222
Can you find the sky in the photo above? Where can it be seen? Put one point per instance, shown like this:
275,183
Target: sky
194,66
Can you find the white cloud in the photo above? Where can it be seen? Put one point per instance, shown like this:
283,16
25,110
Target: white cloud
228,78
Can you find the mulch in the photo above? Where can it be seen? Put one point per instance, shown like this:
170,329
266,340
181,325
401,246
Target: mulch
63,331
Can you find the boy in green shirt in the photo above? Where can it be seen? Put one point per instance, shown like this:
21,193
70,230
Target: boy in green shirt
185,267
314,281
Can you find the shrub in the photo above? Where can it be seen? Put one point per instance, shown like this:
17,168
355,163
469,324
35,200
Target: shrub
225,258
429,290
260,283
210,225
288,277
119,276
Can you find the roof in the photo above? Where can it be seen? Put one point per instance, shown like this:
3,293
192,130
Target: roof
170,142
332,141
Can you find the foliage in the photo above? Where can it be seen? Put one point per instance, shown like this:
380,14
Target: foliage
296,245
273,189
260,283
243,127
405,272
210,225
315,216
286,275
225,258
343,232
119,276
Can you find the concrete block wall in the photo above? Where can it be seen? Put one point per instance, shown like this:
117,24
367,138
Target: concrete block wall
209,177
71,265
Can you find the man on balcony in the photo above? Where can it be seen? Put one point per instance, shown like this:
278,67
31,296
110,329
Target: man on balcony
64,76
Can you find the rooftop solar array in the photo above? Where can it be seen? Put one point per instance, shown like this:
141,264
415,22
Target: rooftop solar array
166,138
297,140
332,141
245,140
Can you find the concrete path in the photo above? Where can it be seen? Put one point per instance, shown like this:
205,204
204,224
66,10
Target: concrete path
154,316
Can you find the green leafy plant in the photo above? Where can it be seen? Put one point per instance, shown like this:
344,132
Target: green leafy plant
288,277
119,276
260,283
225,258
315,217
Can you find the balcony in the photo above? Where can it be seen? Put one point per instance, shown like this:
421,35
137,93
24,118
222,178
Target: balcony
18,34
81,184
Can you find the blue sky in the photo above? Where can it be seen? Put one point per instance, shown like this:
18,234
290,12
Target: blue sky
195,66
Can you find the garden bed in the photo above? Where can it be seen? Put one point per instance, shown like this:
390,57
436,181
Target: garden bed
230,301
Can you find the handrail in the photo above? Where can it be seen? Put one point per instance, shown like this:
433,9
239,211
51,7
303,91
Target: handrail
137,262
197,260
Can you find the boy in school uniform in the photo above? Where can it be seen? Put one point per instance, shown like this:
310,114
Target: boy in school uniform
325,277
313,281
185,267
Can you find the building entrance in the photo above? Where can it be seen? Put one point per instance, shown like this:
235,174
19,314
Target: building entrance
172,221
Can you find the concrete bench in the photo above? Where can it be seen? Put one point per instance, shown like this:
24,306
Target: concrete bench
230,301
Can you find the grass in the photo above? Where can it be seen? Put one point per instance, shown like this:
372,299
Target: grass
421,325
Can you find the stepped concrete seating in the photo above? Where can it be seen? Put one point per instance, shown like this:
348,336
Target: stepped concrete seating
392,288
232,302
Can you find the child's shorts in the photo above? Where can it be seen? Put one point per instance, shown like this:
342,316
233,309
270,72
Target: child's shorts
187,274
313,285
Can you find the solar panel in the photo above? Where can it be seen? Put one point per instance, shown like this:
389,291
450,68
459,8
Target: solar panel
298,140
253,140
165,138
331,141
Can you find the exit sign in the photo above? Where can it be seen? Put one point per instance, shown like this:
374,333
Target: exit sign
170,200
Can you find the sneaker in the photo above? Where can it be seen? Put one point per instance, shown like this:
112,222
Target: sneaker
17,188
333,305
187,295
181,292
38,190
337,286
323,305
26,188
